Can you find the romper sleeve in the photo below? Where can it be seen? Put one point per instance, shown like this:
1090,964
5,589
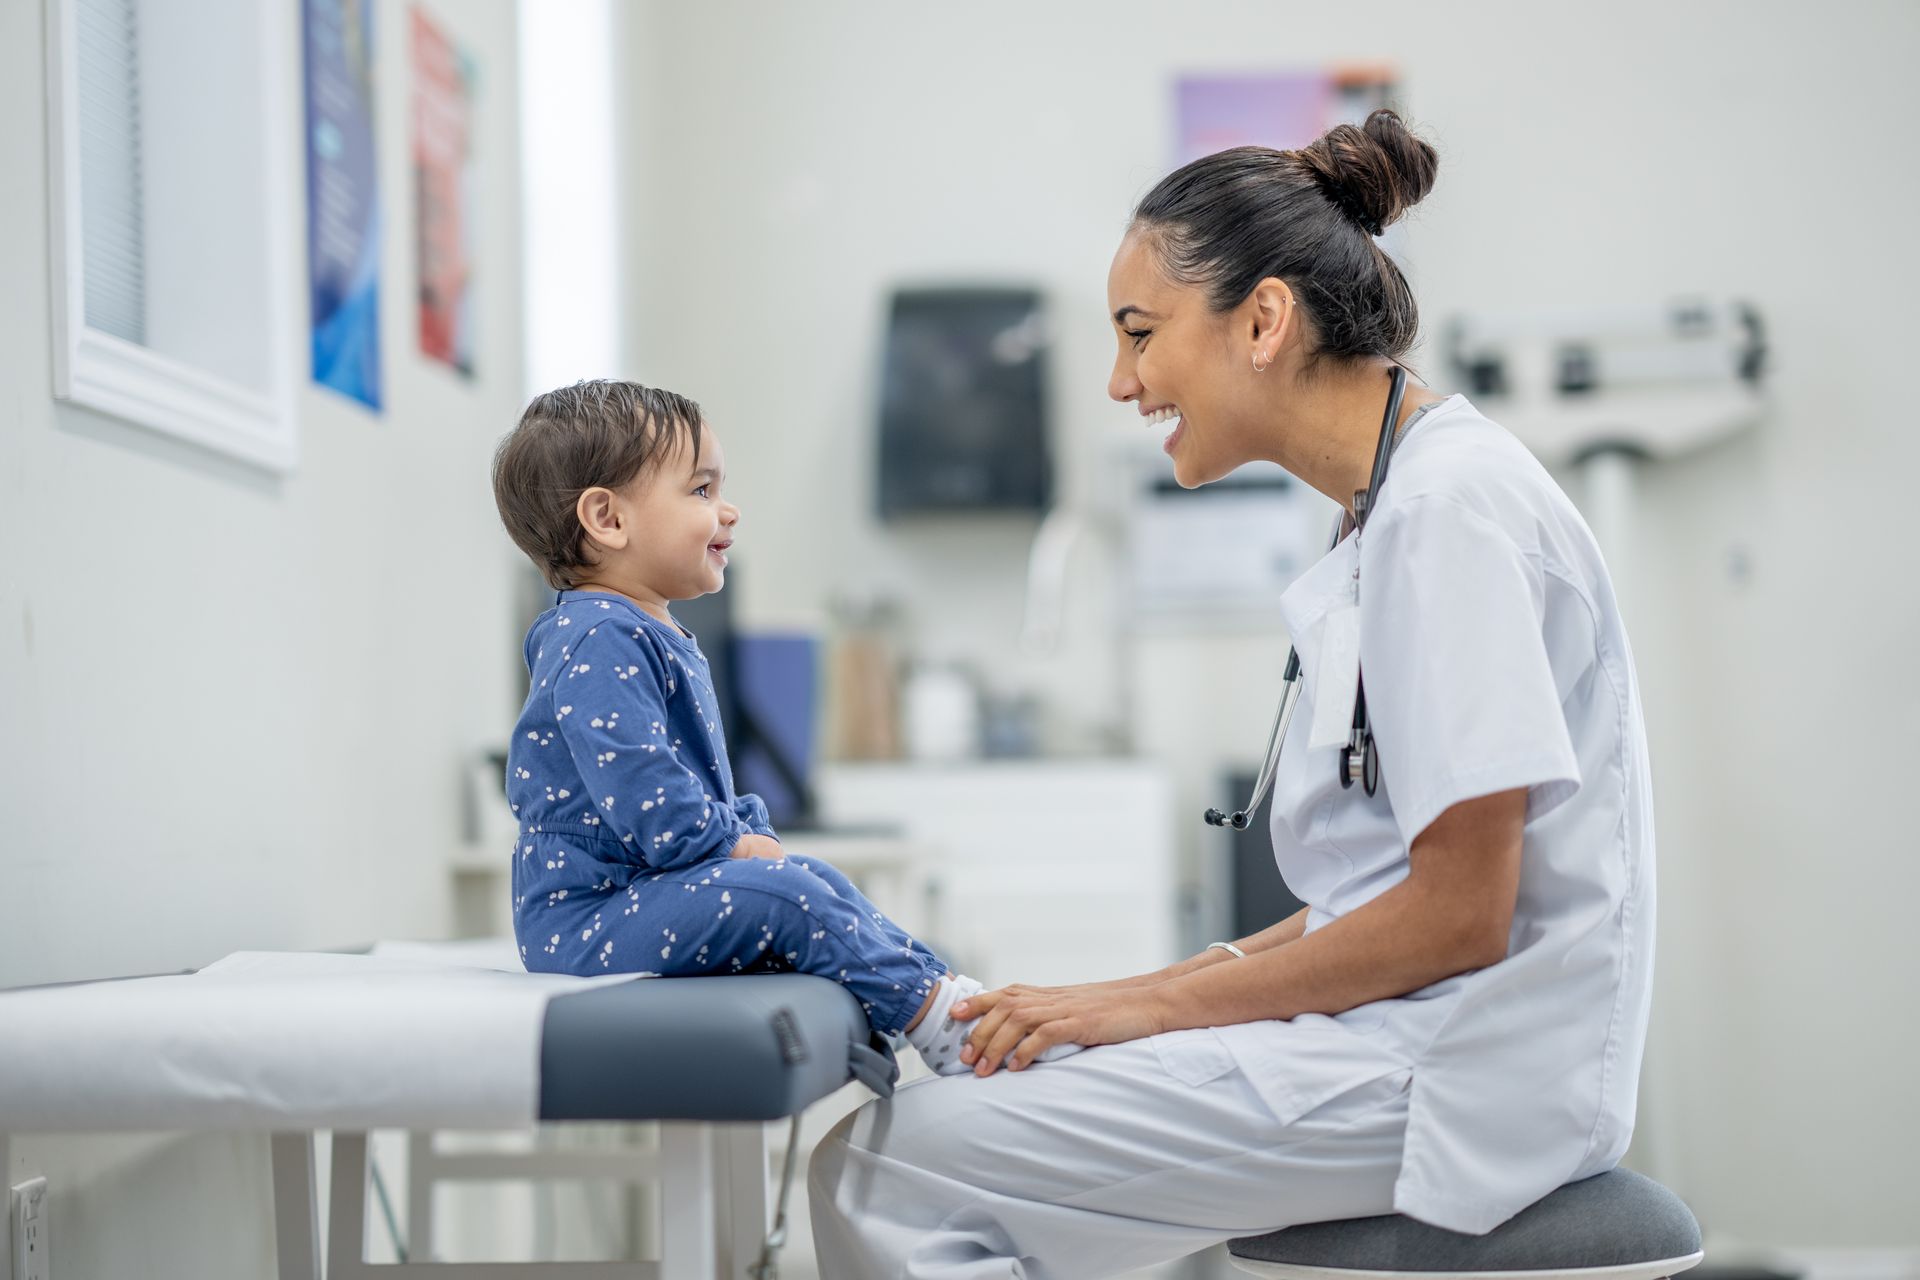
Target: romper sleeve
751,810
611,704
1454,661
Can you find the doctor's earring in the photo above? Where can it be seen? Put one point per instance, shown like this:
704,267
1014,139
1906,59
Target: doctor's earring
1262,368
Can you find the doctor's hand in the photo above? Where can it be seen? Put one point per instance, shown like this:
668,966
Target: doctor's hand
1019,1023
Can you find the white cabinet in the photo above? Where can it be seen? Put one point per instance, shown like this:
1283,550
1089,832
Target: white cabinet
1048,871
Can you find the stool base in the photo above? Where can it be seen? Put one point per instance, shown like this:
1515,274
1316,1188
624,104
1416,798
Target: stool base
1632,1271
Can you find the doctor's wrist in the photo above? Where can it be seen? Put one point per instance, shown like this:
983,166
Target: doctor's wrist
1193,964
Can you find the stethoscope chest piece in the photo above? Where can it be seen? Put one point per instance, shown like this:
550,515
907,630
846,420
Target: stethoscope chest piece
1360,762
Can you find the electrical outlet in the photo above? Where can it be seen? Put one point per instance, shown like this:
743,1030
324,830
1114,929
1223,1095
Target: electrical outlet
27,1216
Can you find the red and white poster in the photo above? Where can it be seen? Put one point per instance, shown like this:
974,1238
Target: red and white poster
443,89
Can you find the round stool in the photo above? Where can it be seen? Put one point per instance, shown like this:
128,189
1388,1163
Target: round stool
1617,1226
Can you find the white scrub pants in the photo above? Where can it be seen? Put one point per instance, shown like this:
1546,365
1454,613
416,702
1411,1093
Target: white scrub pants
1115,1158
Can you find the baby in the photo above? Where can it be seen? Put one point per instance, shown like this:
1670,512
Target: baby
635,854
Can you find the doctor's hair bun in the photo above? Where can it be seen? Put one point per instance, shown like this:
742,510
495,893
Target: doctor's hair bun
1374,173
1226,222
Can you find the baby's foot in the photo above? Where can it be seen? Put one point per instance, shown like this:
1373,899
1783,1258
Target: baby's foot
939,1038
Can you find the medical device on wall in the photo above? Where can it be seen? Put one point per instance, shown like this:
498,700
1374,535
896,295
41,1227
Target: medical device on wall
1221,554
1609,389
963,423
1182,557
1649,381
1228,548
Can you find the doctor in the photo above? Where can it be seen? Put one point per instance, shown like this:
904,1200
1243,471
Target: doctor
1453,1027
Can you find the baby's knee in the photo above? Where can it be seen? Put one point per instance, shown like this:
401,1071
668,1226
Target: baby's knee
782,878
831,878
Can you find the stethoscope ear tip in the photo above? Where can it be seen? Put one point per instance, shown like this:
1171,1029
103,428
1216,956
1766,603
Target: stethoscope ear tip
1236,820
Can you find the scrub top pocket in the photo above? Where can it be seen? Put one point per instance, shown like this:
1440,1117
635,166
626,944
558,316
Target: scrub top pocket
1194,1056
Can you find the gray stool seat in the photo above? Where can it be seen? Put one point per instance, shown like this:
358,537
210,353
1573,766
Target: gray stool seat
1617,1226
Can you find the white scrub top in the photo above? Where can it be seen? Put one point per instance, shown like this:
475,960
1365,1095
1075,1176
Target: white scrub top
1494,658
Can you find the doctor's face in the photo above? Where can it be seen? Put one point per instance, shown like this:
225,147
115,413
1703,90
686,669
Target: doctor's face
1176,362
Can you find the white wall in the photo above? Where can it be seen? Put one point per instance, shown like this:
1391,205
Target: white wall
792,162
233,709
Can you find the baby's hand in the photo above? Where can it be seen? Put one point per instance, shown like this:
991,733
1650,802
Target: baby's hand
758,846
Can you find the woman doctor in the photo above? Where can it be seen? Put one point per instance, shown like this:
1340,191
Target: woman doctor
1453,1026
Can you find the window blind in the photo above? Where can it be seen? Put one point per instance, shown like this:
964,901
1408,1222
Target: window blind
112,222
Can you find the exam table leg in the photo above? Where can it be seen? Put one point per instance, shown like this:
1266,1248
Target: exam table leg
699,1161
296,1209
742,1182
347,1208
687,1226
419,1196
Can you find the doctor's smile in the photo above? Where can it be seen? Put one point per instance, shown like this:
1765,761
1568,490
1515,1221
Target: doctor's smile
1160,417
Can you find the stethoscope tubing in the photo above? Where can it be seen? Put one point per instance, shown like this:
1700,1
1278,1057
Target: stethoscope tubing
1358,761
1282,718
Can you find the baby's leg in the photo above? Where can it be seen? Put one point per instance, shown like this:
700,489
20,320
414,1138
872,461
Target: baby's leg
731,915
838,881
938,1038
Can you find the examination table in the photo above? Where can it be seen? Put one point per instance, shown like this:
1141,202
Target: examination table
425,1037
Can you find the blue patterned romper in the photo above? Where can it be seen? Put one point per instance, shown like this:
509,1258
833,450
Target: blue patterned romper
618,775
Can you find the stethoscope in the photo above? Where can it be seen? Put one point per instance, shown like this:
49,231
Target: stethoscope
1359,761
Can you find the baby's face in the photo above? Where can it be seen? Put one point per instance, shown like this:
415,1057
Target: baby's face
684,526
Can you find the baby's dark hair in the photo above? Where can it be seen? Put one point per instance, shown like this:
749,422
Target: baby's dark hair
592,434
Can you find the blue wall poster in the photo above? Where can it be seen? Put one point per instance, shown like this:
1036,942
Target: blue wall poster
343,198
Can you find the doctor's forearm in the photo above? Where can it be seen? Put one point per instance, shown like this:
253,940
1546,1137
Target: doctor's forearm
1397,943
1275,935
1288,930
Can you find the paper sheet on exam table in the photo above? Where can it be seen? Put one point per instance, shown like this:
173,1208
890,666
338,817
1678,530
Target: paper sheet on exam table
484,953
281,1040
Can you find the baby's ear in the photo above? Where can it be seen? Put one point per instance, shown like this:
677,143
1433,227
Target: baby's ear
598,510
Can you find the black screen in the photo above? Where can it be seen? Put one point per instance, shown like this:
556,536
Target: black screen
962,419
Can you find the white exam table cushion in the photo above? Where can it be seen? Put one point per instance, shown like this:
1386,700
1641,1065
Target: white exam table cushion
278,1040
292,1040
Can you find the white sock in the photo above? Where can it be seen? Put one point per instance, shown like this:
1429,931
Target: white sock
939,1038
